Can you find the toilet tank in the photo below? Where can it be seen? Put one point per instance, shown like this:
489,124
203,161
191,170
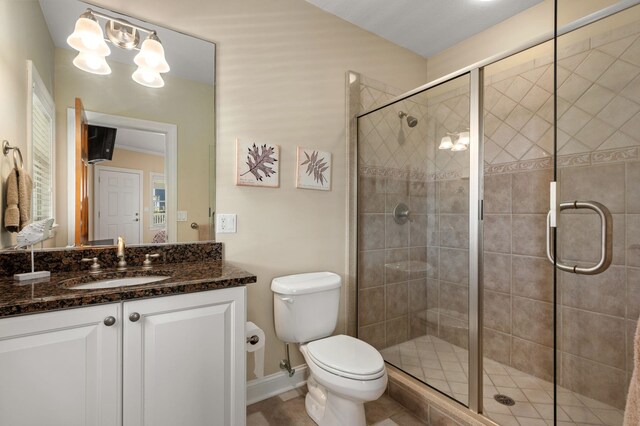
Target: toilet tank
305,306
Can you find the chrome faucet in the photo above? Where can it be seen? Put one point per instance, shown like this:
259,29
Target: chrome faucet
122,264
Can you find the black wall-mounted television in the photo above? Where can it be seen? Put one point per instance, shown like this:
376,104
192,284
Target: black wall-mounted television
102,141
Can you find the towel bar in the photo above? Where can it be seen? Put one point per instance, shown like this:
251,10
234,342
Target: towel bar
6,147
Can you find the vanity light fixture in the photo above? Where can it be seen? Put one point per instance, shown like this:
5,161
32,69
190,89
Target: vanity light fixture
461,144
88,39
459,147
147,77
446,143
93,63
463,138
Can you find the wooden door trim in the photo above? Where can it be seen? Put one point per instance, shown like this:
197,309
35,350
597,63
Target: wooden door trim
81,171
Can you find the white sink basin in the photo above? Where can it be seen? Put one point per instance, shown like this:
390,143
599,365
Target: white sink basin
121,282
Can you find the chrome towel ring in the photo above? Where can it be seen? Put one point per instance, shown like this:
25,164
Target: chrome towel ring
6,147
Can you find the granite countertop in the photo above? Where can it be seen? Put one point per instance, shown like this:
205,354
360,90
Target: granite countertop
57,293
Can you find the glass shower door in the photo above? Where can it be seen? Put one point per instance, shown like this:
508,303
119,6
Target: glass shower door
413,227
598,217
518,344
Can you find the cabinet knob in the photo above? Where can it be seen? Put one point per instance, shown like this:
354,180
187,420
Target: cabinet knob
134,317
109,321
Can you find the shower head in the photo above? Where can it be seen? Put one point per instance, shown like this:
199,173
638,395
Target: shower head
411,120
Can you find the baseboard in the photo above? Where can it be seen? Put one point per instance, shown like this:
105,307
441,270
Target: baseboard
275,384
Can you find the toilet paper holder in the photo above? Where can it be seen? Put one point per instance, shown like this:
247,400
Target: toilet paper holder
253,339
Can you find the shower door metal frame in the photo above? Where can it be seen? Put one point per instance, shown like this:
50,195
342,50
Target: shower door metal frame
476,181
476,253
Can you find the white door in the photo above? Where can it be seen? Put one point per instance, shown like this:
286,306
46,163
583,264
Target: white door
118,211
184,360
61,368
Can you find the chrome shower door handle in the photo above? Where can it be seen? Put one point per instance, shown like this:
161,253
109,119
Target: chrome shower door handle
606,238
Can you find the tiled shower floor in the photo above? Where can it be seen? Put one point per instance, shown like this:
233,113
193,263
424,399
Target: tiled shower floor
445,367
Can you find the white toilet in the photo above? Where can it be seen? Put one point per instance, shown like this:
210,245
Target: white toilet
344,372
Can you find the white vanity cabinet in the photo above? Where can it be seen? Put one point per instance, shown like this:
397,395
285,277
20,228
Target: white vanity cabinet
174,360
61,368
184,360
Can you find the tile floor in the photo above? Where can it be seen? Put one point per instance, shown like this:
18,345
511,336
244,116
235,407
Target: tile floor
287,409
445,366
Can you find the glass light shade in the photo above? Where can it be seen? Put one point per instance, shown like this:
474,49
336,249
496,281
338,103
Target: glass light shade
151,56
446,143
89,62
459,147
463,138
148,78
88,38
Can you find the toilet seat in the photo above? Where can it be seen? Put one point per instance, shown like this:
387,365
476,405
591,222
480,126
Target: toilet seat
347,357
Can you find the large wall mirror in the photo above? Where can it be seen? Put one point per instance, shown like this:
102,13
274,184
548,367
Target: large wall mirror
116,145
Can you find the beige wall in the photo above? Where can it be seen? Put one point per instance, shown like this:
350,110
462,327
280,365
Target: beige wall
147,163
185,103
23,36
281,79
510,34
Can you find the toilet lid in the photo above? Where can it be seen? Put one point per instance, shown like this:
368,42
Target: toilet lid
347,357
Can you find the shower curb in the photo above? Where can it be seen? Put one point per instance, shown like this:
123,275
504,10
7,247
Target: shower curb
429,405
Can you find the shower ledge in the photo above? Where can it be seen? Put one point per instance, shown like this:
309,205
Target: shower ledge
409,266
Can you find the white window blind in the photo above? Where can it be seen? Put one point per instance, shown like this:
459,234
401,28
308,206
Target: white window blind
42,148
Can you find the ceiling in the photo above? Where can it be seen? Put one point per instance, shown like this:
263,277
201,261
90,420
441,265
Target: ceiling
188,57
140,140
425,27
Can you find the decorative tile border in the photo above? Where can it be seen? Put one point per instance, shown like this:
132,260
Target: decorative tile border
393,173
615,155
518,166
573,160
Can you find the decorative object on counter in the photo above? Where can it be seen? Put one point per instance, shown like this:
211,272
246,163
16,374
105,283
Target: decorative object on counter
30,235
313,169
35,233
18,192
257,164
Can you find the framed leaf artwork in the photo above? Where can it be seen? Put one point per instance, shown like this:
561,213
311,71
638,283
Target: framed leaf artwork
313,169
257,164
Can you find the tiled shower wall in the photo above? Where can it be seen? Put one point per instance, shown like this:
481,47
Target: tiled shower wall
597,314
598,139
389,296
399,271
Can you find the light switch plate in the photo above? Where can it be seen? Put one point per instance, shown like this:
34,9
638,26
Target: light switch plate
182,216
225,223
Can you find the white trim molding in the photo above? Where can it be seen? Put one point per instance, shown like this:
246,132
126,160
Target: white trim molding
275,384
